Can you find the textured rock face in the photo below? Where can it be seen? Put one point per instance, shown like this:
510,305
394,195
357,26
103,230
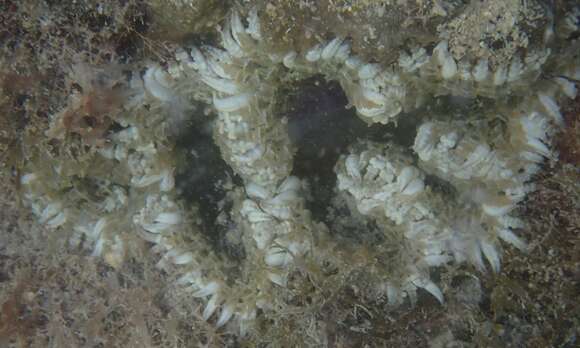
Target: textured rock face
478,116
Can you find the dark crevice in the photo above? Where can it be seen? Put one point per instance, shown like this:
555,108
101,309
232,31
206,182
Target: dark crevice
321,128
199,181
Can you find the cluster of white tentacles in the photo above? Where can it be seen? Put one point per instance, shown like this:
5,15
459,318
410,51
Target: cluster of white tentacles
385,183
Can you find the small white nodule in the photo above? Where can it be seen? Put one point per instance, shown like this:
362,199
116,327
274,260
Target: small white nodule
568,87
446,61
481,70
254,25
27,178
199,60
331,48
500,76
491,255
207,289
226,313
277,257
368,71
552,108
495,210
157,83
221,85
168,218
230,43
314,54
277,279
414,187
289,59
371,112
508,236
431,287
353,62
516,69
183,259
374,97
343,52
57,221
210,307
233,103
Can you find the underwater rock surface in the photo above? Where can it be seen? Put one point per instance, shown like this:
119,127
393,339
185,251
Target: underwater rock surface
276,160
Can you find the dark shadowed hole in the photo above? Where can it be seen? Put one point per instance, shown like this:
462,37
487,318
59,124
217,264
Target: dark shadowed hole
321,128
199,180
4,277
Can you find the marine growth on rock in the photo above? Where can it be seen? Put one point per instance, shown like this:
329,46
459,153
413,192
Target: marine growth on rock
463,136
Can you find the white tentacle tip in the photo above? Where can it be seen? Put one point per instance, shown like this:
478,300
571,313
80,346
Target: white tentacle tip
225,315
431,287
233,103
491,255
508,236
210,307
207,289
